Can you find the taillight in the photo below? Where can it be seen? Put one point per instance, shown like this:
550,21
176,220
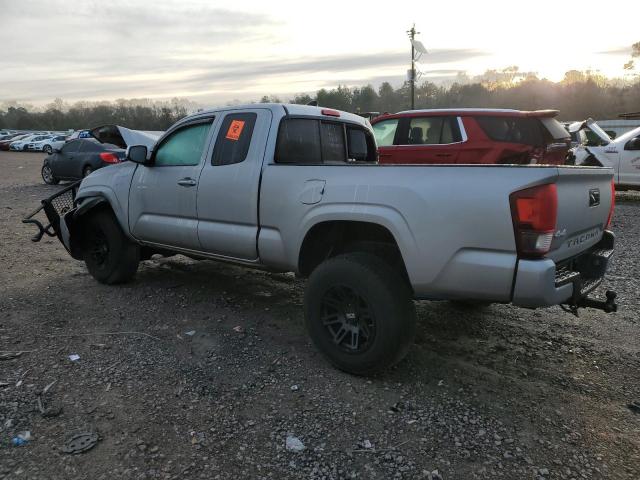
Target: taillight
613,204
108,157
534,212
330,112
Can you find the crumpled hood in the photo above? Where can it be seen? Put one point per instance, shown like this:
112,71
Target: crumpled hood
139,137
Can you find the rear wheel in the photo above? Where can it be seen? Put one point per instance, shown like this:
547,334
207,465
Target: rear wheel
48,177
109,255
359,313
87,171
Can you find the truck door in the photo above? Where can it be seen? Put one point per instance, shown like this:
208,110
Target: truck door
162,198
629,166
229,185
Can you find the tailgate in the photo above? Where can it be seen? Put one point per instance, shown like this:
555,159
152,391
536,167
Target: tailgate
584,201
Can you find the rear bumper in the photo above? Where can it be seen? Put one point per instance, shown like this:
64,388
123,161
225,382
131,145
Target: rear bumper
541,283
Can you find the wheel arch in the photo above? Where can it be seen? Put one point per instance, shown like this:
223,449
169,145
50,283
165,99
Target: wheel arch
88,203
329,238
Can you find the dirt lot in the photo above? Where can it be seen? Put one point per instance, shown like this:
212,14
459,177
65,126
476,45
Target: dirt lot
494,392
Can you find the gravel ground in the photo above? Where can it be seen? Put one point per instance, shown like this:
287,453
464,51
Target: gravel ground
202,370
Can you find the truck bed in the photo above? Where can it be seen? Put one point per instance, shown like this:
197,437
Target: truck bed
452,223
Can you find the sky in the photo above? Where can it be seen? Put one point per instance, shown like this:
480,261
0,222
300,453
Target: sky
213,52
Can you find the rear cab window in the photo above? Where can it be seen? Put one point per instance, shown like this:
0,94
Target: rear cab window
313,141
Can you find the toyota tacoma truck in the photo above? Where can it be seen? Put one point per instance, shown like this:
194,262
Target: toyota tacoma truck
291,188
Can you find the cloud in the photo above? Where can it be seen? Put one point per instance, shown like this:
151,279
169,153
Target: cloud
98,49
322,65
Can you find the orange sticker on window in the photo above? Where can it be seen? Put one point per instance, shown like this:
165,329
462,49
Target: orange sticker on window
235,129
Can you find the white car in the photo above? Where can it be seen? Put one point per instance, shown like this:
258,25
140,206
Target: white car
621,153
21,145
47,145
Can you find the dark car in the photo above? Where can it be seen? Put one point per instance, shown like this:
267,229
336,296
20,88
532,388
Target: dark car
78,158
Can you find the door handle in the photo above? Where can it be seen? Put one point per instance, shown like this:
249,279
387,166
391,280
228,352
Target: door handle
187,182
443,154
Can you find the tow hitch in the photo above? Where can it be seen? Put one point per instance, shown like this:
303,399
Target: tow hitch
608,306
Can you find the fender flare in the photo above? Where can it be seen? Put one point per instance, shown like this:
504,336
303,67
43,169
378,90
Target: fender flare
87,204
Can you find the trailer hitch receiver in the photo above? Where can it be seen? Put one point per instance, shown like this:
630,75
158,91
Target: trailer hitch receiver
608,306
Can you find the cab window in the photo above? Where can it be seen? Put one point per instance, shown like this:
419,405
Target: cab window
298,142
313,141
234,139
183,147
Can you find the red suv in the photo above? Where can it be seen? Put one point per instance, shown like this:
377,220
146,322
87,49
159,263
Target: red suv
471,135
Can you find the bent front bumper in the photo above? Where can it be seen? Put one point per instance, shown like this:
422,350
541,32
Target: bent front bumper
55,208
541,283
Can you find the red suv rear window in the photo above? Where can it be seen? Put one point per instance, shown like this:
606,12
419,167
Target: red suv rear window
523,130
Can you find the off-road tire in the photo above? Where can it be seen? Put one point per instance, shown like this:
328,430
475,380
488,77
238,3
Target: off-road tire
110,256
386,295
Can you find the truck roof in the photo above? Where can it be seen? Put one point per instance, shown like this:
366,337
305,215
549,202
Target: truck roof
290,108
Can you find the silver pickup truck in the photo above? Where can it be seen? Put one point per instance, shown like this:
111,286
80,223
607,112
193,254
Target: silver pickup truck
298,188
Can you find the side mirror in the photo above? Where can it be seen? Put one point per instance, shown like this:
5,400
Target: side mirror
633,144
138,154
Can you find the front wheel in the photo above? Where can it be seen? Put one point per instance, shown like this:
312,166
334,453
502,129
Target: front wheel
48,149
359,313
48,176
109,255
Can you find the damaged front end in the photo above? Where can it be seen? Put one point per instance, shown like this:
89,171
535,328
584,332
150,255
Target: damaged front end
59,210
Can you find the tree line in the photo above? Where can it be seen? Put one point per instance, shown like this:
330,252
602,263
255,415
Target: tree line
579,95
138,114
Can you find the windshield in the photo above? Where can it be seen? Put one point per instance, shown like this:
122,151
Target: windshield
595,128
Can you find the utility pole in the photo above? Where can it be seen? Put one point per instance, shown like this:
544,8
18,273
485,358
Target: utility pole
412,75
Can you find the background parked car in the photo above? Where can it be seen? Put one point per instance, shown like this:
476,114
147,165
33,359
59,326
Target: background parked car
23,144
5,144
471,135
8,136
47,145
622,153
78,158
80,134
